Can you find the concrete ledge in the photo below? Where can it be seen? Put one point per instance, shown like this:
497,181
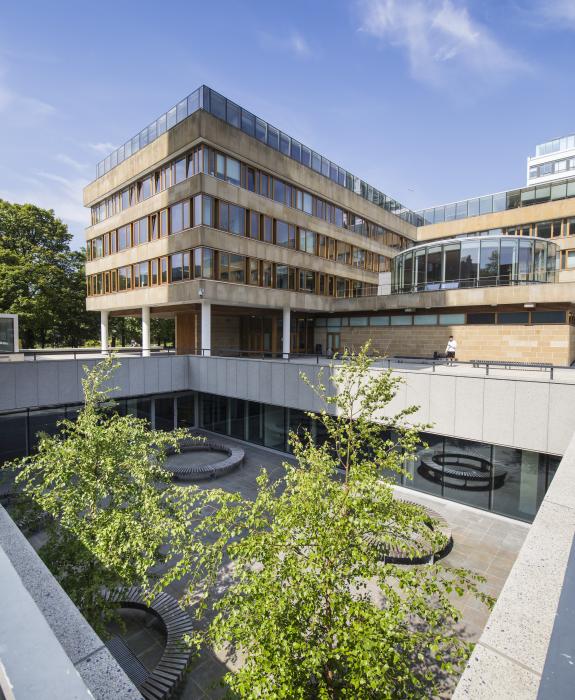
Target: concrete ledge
527,648
83,648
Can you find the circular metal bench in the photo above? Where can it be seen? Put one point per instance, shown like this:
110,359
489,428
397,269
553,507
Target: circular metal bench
451,468
166,677
197,472
418,549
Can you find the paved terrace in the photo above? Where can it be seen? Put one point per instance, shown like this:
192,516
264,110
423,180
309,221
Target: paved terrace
485,543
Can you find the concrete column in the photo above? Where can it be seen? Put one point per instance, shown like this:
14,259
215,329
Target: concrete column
104,332
286,332
206,328
145,331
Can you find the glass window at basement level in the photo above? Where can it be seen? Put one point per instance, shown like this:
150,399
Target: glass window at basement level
481,319
513,317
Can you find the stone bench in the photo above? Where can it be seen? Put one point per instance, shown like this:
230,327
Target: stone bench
425,552
166,677
477,474
196,472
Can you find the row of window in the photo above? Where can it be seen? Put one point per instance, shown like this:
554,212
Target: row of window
204,209
222,108
502,201
207,263
474,262
561,144
556,166
223,167
557,228
446,319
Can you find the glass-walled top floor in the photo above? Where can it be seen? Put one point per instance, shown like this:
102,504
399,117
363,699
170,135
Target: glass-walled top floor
501,201
209,100
474,262
562,144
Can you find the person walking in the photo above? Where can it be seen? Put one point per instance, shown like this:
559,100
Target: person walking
450,350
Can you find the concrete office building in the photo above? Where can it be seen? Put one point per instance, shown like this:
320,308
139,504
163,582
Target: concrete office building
214,217
553,160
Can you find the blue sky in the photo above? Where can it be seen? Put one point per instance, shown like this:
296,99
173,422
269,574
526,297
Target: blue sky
429,100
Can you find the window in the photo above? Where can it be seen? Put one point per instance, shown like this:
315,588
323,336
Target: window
379,321
425,320
480,319
254,272
164,270
285,234
358,321
124,237
125,278
268,230
233,171
254,225
164,223
180,216
307,281
285,277
548,317
232,268
176,268
180,170
307,241
451,319
140,231
237,218
570,225
141,274
267,274
145,189
401,320
519,317
154,272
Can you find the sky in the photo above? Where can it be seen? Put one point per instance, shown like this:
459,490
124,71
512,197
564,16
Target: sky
431,101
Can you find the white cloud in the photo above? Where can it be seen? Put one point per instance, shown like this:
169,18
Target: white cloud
440,38
294,43
71,162
560,11
103,149
50,191
13,102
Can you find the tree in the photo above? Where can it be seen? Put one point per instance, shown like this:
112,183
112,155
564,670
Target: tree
113,517
41,278
313,608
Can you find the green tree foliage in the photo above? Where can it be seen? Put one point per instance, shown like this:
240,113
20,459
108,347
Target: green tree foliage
42,279
113,517
127,329
313,609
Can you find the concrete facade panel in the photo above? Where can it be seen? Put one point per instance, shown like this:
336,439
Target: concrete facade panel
442,404
469,398
151,375
48,388
561,416
531,417
26,379
498,411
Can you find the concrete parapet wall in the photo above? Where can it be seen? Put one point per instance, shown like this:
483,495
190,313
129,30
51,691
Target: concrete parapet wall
527,648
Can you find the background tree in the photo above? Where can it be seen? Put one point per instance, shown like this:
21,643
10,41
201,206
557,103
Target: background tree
127,329
313,609
114,518
42,279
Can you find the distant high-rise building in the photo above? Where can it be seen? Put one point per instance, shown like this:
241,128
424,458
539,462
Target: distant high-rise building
553,160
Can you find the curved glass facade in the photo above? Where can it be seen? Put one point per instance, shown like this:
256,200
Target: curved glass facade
483,261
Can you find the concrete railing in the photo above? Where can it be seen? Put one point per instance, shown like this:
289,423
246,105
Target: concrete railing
527,649
47,649
518,409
